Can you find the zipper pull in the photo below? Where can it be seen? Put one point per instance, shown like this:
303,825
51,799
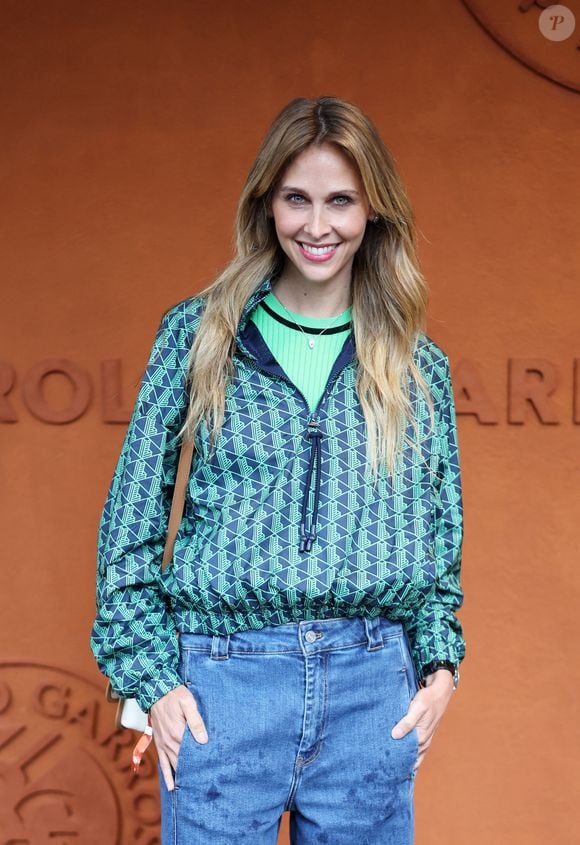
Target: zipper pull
306,541
314,428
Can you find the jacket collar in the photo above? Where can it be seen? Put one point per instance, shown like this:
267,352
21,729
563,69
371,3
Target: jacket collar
251,342
261,291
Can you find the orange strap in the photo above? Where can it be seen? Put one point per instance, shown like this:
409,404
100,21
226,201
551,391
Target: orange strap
175,517
142,746
178,499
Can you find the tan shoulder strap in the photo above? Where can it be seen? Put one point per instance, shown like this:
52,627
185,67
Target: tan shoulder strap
178,499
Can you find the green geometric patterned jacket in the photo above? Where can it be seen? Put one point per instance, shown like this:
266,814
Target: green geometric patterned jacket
282,523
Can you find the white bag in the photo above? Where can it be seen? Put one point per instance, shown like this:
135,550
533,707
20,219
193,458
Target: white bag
129,714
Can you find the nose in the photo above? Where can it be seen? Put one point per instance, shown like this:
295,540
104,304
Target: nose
316,224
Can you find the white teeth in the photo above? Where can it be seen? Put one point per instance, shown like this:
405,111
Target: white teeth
318,250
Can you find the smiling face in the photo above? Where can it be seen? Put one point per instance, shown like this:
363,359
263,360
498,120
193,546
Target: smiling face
320,211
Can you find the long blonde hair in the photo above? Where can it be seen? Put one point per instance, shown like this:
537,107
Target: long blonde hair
389,294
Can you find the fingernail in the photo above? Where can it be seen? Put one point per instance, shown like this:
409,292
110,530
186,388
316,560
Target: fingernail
201,736
397,733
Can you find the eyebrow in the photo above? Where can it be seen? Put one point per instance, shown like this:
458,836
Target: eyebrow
302,191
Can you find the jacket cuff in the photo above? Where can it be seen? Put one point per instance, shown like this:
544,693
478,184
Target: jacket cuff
152,689
424,655
434,665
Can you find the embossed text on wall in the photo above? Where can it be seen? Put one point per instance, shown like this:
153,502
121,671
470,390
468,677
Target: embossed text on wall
58,391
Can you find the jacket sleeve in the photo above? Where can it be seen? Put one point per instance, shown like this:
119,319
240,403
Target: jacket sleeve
436,633
133,637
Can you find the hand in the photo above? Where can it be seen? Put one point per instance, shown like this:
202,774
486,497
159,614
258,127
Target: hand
426,710
171,715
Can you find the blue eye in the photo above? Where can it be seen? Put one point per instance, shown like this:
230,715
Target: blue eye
296,198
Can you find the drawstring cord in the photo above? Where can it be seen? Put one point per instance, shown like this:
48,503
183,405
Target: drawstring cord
307,537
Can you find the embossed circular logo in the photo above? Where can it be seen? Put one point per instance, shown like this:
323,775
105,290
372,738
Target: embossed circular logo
65,770
539,34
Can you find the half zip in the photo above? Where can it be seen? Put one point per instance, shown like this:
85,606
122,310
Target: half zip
251,344
314,433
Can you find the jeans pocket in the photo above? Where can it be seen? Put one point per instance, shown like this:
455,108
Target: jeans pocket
408,663
183,666
179,763
412,687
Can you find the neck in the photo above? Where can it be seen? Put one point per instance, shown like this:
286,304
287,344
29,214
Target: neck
312,299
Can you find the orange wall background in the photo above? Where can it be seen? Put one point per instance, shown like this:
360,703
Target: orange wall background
127,131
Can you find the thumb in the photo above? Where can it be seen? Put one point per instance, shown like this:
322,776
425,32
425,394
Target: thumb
404,725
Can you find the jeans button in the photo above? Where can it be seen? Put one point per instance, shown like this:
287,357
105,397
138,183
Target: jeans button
310,636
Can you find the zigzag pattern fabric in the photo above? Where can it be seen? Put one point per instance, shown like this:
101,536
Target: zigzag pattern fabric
393,549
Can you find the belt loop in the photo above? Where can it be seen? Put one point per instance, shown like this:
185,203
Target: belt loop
219,646
374,635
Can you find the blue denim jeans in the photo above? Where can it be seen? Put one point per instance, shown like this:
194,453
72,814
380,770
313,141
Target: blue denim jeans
299,718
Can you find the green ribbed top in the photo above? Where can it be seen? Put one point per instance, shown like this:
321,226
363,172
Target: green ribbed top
307,368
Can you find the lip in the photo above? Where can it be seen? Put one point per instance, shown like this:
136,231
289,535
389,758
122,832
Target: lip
317,259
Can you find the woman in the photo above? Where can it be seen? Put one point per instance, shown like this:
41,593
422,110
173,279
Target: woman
303,646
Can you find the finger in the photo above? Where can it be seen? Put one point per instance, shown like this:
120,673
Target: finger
194,720
419,761
166,770
165,751
403,727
